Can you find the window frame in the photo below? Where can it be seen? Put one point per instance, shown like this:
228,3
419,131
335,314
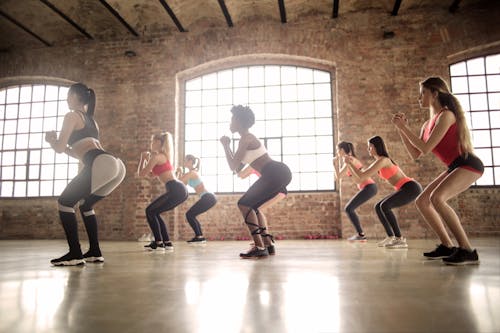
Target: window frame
182,80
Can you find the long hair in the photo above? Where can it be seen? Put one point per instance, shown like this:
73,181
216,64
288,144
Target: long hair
380,148
85,95
167,144
196,161
348,147
446,99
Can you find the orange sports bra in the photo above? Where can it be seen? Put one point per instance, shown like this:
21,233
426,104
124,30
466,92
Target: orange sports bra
161,168
387,173
363,184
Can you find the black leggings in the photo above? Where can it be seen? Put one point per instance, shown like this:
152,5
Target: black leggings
207,201
176,194
360,198
275,176
406,194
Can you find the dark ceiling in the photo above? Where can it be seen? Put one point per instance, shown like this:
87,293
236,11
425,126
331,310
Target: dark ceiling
39,23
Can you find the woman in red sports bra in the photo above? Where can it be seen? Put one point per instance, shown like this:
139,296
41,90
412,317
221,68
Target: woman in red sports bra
447,136
157,163
407,190
367,188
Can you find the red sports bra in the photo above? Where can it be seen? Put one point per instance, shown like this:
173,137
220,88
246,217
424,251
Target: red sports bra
363,184
447,149
387,173
161,168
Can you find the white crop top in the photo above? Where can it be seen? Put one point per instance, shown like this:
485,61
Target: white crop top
252,155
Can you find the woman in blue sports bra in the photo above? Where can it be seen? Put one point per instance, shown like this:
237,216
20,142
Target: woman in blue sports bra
207,199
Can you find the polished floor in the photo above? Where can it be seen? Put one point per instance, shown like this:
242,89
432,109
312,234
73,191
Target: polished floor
309,286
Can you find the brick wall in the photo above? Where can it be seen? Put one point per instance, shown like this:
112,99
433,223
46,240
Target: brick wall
375,78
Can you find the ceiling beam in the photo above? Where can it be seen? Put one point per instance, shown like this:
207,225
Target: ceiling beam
172,15
118,17
222,5
335,12
20,25
454,6
67,19
281,4
395,10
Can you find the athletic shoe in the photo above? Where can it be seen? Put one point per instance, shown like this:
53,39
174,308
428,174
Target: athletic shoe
397,243
68,259
197,240
94,256
385,241
462,257
255,253
153,246
168,246
357,238
271,250
440,252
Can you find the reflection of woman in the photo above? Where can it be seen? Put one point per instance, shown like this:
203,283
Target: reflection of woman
447,136
157,163
367,189
207,199
101,174
266,237
407,189
275,176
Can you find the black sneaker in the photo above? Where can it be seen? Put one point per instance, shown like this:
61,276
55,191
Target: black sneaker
197,240
271,250
440,252
153,246
462,257
68,259
168,246
93,256
255,253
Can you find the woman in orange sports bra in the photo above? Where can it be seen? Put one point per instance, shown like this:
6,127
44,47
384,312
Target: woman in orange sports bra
158,163
407,190
447,136
367,188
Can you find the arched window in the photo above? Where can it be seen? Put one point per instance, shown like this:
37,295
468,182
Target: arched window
29,166
476,83
293,110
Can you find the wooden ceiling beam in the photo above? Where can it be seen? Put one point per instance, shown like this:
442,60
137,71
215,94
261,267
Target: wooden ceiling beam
281,4
223,7
118,17
335,11
66,18
21,26
395,9
172,15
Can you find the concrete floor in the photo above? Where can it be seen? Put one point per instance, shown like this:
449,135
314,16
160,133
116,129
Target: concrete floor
310,286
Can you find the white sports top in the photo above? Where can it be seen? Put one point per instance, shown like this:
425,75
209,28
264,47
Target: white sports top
252,155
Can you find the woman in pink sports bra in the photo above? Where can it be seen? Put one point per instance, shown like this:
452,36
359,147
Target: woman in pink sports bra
158,163
367,188
407,189
447,136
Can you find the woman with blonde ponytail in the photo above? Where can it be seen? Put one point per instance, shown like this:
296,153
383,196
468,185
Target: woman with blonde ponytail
445,133
207,199
158,163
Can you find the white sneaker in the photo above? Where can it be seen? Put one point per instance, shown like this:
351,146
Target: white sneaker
386,241
397,243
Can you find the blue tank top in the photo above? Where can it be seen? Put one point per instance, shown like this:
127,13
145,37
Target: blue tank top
89,130
194,182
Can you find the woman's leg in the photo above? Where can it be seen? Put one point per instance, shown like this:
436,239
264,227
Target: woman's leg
360,198
206,202
453,184
429,213
383,219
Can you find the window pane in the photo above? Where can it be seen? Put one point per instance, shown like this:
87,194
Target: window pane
496,158
13,95
493,82
306,92
273,111
193,98
481,138
487,177
273,128
240,77
9,142
290,145
273,76
25,95
290,127
493,64
478,102
307,145
62,158
225,96
11,111
47,171
8,158
494,101
61,171
209,114
20,172
240,96
484,155
256,76
62,108
290,110
51,93
322,91
193,115
325,180
33,189
10,126
459,85
63,93
323,126
475,66
464,101
209,97
37,110
34,172
7,172
323,108
304,75
19,189
308,181
72,170
325,163
23,126
324,144
480,120
458,69
209,81
7,188
307,127
24,110
193,131
21,157
477,84
46,187
256,95
495,137
225,79
38,93
288,75
36,140
49,124
193,84
50,109
209,148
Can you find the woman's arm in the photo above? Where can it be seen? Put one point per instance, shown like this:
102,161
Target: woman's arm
60,144
145,155
234,163
443,123
186,176
360,175
339,171
150,164
246,172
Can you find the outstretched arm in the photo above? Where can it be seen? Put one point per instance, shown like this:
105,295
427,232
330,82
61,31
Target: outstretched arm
360,175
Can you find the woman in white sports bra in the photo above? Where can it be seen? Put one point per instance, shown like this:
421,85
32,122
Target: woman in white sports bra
101,174
275,176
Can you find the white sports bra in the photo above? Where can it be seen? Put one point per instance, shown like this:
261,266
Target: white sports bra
253,154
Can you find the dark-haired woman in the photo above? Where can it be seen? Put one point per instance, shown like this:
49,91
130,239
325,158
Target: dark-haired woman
407,189
445,133
367,188
207,199
275,176
101,174
157,163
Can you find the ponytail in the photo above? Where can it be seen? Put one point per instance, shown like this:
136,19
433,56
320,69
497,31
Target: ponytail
91,103
86,96
348,147
196,161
